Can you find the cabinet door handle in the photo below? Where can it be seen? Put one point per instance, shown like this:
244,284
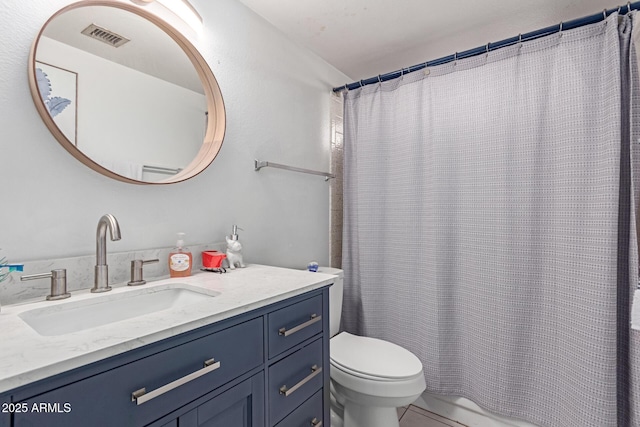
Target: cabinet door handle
140,396
315,370
316,422
314,318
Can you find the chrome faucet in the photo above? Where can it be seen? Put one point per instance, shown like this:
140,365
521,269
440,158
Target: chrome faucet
101,281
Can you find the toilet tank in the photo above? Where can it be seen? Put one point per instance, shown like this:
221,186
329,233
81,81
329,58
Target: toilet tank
335,298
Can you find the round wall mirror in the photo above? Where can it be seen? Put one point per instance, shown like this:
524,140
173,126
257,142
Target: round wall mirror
126,93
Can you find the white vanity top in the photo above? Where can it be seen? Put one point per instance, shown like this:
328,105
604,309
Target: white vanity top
26,356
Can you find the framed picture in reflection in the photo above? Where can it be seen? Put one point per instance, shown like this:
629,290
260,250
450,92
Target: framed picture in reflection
59,92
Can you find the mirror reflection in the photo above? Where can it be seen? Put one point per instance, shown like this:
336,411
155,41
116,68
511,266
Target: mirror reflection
121,91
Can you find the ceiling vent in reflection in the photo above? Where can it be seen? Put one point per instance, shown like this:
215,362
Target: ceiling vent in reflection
104,35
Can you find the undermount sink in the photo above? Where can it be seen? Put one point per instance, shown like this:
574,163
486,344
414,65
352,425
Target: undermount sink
74,316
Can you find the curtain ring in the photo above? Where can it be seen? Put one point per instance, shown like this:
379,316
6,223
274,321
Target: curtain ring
361,83
628,7
604,14
560,31
401,74
455,59
379,79
346,87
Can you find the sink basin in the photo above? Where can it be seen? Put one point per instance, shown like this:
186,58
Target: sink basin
104,309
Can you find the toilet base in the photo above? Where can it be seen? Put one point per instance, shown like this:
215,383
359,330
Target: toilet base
355,415
336,420
365,416
337,410
368,416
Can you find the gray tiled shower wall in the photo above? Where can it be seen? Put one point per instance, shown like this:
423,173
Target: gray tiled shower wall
337,160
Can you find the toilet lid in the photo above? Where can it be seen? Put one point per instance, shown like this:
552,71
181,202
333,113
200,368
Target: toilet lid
372,357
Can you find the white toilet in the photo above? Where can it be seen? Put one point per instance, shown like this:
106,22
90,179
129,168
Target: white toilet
370,378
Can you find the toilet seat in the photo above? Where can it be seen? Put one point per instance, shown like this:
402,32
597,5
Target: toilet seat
359,374
373,359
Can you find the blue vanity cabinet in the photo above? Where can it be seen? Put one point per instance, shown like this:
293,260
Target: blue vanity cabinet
294,379
5,417
298,366
240,406
229,373
171,379
294,324
308,414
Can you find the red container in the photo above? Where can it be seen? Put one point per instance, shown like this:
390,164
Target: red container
212,259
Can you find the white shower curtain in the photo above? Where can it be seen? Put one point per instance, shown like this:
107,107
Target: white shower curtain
483,206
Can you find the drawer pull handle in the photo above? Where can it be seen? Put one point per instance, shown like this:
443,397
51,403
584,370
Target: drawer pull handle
315,370
316,422
314,318
140,396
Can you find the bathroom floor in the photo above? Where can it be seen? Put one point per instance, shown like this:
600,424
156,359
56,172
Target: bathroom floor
413,416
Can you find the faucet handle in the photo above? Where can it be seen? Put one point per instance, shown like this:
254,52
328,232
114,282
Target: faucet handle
136,271
58,283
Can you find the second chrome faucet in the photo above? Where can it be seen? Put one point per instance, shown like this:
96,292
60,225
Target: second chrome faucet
101,281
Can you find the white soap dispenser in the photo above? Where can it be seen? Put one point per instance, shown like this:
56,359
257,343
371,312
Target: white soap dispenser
234,249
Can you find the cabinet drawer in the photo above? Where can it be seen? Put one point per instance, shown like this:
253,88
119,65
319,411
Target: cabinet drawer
172,378
309,414
294,379
292,325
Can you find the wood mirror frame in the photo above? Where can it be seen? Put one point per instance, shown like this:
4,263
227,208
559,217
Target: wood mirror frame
216,122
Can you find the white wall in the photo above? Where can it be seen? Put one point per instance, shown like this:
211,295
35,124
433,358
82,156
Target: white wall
277,101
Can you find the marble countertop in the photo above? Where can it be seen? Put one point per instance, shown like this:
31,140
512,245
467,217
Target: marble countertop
26,356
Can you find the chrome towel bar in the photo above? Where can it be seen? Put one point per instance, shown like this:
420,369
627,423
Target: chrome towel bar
160,169
259,164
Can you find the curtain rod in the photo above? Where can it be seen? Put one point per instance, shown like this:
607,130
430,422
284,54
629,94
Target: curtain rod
592,19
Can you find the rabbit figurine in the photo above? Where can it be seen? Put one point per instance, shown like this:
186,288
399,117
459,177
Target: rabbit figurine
234,254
